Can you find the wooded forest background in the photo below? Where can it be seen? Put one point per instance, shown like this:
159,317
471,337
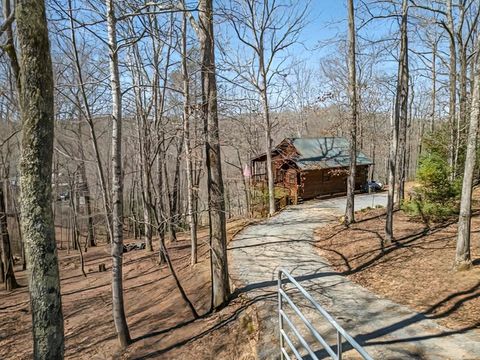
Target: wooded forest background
148,65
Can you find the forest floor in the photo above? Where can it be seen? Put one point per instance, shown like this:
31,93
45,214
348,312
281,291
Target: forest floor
415,271
160,323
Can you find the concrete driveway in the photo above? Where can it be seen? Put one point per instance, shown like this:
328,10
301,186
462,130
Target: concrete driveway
386,329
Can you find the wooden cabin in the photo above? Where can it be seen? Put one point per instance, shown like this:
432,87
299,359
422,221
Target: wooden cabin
311,167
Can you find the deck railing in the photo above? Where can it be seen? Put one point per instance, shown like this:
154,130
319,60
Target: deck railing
285,319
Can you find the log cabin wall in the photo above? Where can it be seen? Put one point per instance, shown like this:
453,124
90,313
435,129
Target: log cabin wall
289,165
329,181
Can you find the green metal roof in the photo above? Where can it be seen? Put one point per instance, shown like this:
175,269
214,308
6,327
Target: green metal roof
325,153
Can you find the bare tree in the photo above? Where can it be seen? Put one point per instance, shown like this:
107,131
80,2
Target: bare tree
266,29
36,106
352,82
216,199
188,151
462,255
84,108
400,112
117,182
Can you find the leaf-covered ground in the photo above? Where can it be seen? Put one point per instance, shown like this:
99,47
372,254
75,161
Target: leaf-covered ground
159,321
415,271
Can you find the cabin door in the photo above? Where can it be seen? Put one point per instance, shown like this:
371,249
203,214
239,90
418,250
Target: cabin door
293,181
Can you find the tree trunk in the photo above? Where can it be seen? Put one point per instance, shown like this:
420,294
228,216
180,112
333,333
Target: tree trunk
188,151
461,119
268,130
174,194
147,203
9,46
400,111
352,84
117,183
2,268
144,140
89,118
216,201
268,152
37,112
452,86
85,190
462,255
434,85
76,231
7,257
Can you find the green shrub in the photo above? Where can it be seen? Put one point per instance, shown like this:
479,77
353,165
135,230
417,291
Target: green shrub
436,197
430,211
434,176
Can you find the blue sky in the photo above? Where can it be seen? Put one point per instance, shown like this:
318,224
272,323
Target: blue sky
326,19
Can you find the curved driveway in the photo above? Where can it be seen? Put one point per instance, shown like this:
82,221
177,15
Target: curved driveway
386,329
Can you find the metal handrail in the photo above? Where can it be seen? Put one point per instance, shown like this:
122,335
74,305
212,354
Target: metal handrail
282,316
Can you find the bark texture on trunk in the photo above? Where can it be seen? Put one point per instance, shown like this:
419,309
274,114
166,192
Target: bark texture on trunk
8,275
400,112
188,151
434,84
144,140
9,46
268,152
37,112
216,201
462,256
85,190
352,84
117,183
452,86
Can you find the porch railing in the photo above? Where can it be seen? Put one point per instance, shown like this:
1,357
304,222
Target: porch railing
284,319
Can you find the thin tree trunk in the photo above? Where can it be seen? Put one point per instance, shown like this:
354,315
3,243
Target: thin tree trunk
9,46
245,183
85,190
268,129
7,257
20,236
174,194
37,112
401,161
117,183
216,201
166,258
452,86
2,268
76,233
143,129
188,151
89,118
400,110
352,82
434,85
268,152
462,83
462,255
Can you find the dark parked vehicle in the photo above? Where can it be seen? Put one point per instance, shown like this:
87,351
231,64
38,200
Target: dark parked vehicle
373,186
63,196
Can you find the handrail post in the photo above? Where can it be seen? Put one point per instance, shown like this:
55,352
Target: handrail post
284,338
339,346
280,318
